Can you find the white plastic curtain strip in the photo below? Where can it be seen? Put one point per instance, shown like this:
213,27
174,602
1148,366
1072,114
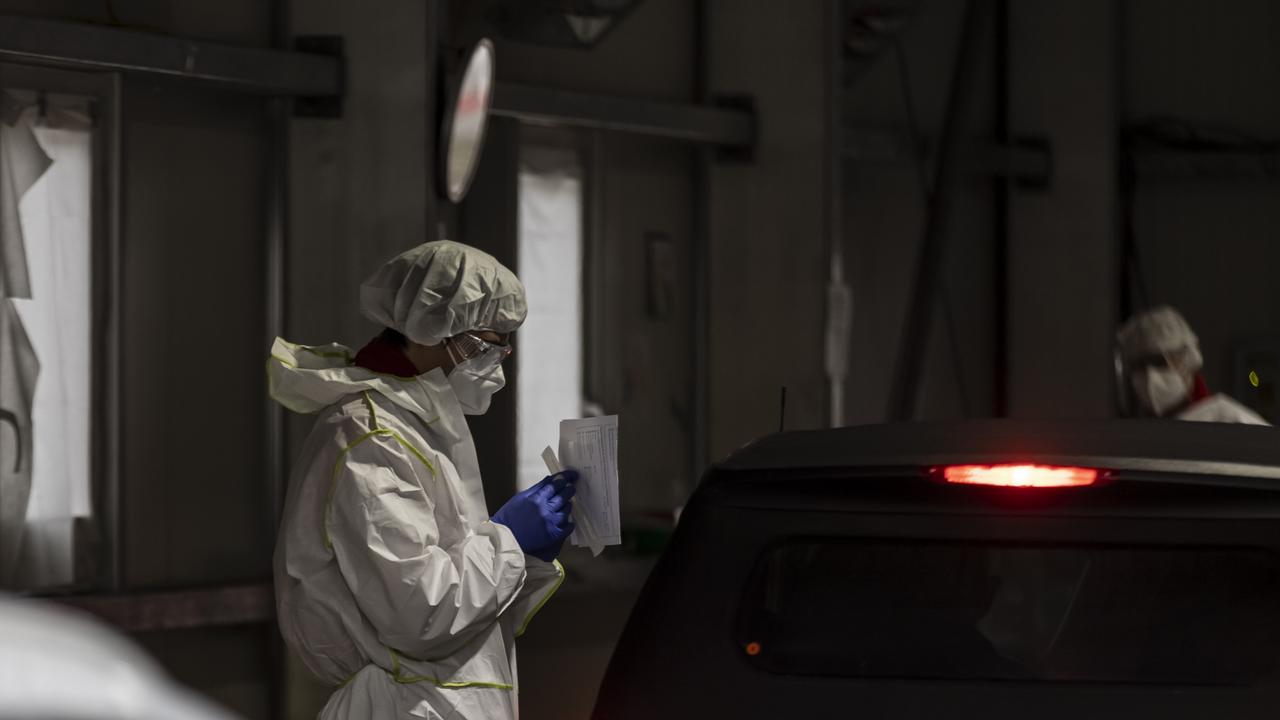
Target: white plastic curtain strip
45,228
549,344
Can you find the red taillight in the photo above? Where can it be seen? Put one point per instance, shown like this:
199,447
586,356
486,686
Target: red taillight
1022,476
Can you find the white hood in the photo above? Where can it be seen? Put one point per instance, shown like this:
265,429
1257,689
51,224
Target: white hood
308,379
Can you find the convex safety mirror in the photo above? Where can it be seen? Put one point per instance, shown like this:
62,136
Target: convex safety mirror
466,114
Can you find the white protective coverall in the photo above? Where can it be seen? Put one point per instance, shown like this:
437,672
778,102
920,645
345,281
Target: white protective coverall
391,580
1221,408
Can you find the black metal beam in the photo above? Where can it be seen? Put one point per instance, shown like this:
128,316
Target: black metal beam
1173,164
721,127
95,47
1000,208
1024,162
700,257
933,246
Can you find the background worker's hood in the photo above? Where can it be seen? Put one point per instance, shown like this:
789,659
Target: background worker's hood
307,379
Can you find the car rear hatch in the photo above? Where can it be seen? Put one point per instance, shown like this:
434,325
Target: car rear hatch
927,571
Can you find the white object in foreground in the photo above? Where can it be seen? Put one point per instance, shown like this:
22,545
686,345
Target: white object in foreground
59,663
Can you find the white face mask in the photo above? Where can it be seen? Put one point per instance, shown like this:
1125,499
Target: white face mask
1160,390
475,387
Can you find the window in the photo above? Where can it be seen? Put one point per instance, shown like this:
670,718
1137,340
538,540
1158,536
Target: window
1058,613
550,256
51,189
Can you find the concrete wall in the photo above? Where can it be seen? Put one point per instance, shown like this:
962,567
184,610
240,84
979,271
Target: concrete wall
195,510
193,322
768,242
361,185
884,221
1063,243
1209,247
193,325
647,191
195,196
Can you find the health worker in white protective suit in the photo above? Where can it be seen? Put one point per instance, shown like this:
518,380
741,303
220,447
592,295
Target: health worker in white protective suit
1159,360
392,580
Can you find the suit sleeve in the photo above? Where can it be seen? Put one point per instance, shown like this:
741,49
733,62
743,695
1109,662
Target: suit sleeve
427,591
542,581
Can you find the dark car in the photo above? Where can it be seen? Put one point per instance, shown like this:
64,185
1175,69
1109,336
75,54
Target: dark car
989,569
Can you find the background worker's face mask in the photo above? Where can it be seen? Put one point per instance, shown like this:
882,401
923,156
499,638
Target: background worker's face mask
1161,390
476,377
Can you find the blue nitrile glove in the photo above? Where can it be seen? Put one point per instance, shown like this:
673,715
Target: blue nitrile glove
563,503
539,516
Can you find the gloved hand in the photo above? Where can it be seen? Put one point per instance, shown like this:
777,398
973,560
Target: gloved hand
540,516
552,551
562,503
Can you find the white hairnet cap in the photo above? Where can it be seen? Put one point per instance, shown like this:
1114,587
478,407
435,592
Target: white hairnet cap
443,288
1161,331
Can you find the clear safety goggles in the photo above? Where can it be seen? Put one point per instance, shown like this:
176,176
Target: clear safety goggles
1152,361
470,346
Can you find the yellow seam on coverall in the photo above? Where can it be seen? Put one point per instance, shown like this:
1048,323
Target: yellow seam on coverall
337,465
410,679
412,449
333,482
346,356
525,625
369,401
373,415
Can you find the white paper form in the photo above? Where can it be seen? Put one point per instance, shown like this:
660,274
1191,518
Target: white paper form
553,467
590,446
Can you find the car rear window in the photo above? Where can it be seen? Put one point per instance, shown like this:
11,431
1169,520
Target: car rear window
992,611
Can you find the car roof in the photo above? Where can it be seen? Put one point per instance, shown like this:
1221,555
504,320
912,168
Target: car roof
1218,453
1194,485
1176,486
